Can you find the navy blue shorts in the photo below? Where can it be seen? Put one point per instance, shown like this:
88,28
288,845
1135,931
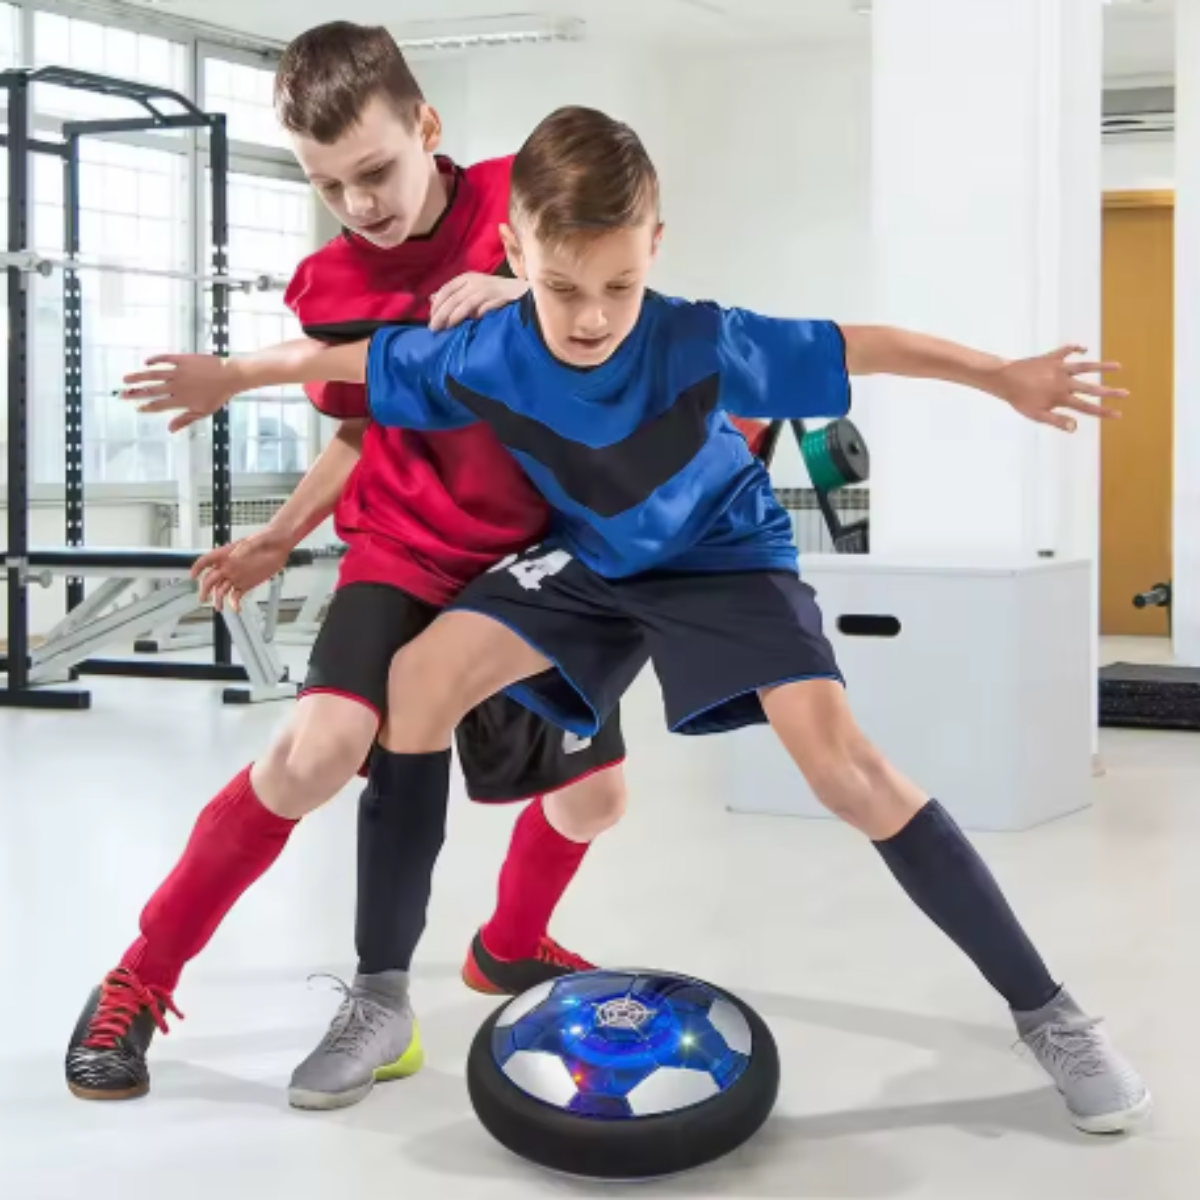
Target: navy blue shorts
506,752
715,640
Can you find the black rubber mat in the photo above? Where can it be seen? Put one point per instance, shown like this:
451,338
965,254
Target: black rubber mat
1134,696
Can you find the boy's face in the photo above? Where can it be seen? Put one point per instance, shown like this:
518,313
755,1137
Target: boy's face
376,177
588,297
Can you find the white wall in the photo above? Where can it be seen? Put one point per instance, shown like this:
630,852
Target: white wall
1186,597
1139,166
764,160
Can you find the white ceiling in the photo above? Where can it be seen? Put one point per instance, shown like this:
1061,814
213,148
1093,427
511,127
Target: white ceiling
701,20
1140,34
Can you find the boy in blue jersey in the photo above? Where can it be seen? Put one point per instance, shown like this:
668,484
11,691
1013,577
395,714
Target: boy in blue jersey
669,545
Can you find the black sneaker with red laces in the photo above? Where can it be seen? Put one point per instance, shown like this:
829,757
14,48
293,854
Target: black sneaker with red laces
484,972
106,1059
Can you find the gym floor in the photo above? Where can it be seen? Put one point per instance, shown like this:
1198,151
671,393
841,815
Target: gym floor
900,1077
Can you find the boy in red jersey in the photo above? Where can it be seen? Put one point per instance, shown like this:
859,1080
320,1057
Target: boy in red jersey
422,516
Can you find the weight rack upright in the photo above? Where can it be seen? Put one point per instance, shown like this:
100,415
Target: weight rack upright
20,144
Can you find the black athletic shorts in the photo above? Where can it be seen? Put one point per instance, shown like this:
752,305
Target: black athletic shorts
507,753
715,640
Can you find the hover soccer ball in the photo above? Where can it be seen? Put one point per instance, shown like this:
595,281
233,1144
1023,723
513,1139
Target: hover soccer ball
623,1074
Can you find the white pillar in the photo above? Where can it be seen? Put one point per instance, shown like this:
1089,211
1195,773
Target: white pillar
987,200
1186,598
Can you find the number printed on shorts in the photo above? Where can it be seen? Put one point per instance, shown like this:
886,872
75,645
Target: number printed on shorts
529,572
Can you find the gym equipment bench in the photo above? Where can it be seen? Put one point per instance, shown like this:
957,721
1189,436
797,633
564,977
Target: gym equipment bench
99,620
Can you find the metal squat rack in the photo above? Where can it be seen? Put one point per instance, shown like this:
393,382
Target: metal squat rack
20,263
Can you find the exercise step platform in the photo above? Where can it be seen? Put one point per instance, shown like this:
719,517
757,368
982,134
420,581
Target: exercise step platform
1134,696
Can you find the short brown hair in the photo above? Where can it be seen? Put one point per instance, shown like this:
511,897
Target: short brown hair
328,75
582,174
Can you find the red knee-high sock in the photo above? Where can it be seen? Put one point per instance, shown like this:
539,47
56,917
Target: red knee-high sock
540,865
234,841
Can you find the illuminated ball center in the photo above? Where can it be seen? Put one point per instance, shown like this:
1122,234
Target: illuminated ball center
619,1044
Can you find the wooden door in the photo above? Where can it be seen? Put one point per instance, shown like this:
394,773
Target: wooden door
1136,452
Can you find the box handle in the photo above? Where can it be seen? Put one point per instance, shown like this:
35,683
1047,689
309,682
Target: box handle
867,625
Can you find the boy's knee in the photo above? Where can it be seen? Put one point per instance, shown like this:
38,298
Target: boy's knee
583,811
295,777
310,763
425,702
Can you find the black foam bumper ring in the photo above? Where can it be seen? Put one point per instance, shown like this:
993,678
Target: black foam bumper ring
623,1075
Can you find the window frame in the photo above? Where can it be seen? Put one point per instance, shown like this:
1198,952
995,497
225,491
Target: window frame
268,162
199,46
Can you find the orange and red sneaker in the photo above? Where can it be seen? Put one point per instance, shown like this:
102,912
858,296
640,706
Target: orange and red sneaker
484,972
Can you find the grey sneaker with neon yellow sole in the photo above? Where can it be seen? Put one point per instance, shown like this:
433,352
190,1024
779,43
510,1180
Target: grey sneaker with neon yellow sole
373,1038
1103,1093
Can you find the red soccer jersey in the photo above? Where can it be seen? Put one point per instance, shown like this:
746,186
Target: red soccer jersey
426,512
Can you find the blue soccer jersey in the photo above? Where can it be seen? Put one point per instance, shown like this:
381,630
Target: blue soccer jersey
636,457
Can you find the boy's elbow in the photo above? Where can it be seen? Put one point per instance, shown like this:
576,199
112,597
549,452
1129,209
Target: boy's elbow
866,348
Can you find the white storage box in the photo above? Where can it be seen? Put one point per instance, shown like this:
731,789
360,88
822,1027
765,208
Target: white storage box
978,683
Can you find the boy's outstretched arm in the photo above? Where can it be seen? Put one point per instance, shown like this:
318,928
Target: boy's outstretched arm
231,572
1036,387
197,385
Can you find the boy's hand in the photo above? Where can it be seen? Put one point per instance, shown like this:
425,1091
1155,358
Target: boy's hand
470,296
1038,387
199,384
231,572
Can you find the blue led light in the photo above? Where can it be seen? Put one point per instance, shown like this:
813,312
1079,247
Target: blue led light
612,1031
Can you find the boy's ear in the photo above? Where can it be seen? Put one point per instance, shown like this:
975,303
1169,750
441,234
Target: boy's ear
430,126
658,237
512,248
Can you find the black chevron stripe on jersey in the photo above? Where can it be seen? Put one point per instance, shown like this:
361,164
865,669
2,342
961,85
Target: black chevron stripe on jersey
339,332
608,480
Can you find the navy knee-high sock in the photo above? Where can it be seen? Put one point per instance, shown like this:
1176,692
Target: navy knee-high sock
401,828
945,877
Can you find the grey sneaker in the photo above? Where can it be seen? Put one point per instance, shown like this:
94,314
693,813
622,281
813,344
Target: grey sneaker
373,1038
1104,1094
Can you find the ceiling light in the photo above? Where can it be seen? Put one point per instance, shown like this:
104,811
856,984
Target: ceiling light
516,35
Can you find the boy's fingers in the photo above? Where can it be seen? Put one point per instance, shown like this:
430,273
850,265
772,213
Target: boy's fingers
1092,410
162,404
1057,420
182,422
1084,387
1093,368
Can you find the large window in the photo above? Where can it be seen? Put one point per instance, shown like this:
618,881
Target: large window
243,92
10,35
133,212
144,204
62,41
270,231
10,38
